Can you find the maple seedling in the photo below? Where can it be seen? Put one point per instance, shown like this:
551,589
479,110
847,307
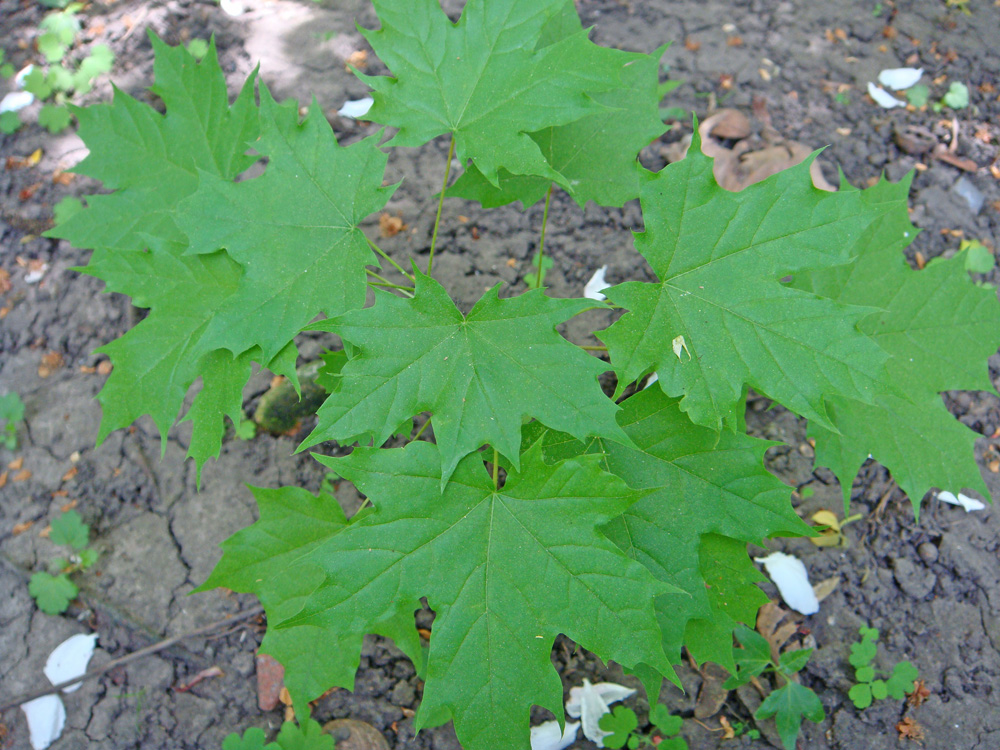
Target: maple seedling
790,702
53,590
871,688
623,526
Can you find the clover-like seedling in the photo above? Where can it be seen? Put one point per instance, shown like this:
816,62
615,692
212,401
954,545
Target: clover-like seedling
308,735
623,723
53,590
870,687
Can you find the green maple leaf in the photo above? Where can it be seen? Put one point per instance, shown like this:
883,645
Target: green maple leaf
294,230
719,319
596,153
710,496
69,530
423,354
505,570
788,705
52,593
152,162
939,329
158,360
484,80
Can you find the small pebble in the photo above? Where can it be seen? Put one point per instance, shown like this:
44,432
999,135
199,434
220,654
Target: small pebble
928,552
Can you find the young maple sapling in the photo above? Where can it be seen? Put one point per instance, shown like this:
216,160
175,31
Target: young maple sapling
623,526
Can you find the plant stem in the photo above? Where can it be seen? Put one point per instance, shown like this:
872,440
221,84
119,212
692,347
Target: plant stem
420,432
589,348
385,256
496,469
541,242
385,282
437,219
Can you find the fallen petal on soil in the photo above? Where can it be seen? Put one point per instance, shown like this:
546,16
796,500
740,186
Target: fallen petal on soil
356,108
16,101
883,98
548,737
69,659
46,719
590,702
790,576
969,503
597,284
900,78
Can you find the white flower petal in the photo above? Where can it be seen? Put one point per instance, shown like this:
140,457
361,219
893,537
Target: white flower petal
900,78
596,285
590,702
69,659
46,719
16,101
790,576
232,7
969,503
548,737
357,108
883,98
21,75
609,692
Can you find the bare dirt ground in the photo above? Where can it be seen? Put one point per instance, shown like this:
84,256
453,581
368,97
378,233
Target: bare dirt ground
801,69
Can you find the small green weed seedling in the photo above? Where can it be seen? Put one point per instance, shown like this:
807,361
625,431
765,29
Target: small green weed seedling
11,413
623,722
619,522
869,689
61,79
789,703
307,736
53,590
739,728
957,97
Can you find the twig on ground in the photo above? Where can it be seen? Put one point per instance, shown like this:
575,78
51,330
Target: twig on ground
128,658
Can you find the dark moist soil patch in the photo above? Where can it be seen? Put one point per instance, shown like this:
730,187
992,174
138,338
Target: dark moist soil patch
932,588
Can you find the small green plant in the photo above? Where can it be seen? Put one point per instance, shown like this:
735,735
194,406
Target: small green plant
6,68
61,80
11,413
623,722
957,97
740,728
790,702
869,687
918,95
306,736
53,590
558,508
541,264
